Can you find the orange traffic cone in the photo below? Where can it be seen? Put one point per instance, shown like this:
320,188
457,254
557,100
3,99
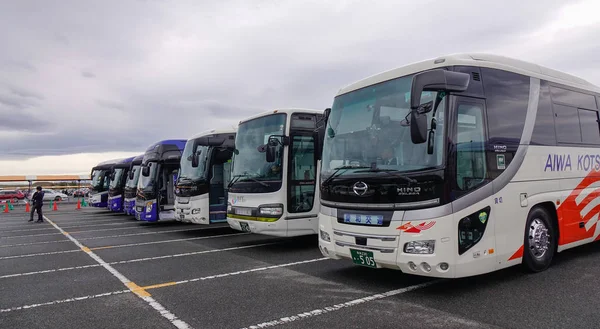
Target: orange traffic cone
6,207
27,209
55,206
78,204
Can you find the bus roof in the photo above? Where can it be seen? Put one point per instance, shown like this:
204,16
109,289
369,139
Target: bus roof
287,111
214,132
124,163
164,150
479,60
137,160
180,143
106,164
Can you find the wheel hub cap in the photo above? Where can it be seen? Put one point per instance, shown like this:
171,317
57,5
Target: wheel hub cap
539,239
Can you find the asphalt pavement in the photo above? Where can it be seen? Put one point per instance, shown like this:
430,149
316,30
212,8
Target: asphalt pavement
91,268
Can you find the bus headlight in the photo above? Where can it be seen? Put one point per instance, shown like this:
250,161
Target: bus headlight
325,236
420,247
195,211
271,210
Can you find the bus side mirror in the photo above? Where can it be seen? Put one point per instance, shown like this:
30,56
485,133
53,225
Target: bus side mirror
434,80
131,174
196,159
146,170
270,152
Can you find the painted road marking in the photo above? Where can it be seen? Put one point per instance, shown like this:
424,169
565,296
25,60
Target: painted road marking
25,236
167,284
64,227
42,254
104,237
167,241
61,301
128,283
32,243
217,276
108,229
87,250
337,307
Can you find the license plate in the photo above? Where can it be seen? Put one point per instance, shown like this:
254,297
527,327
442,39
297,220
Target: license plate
244,211
245,227
363,258
363,219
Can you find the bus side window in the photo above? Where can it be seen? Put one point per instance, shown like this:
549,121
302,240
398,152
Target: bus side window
302,174
470,147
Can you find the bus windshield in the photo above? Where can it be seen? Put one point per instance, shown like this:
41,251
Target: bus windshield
114,183
369,128
147,182
132,183
248,162
97,178
187,172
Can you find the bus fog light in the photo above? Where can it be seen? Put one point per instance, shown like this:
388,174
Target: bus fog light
195,211
325,236
412,266
420,247
426,267
444,266
271,211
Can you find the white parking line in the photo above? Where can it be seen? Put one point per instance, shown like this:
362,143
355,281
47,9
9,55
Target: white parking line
41,254
167,241
64,227
25,236
133,260
159,285
61,301
32,243
128,283
337,307
147,233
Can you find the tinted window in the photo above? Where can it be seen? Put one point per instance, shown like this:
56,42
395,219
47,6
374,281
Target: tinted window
507,97
588,120
302,174
475,85
572,98
543,131
567,124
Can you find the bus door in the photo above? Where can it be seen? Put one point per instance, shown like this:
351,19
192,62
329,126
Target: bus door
302,171
470,176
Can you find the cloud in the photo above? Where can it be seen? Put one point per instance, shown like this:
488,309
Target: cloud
118,76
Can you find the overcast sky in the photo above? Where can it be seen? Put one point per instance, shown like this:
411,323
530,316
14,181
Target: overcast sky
115,76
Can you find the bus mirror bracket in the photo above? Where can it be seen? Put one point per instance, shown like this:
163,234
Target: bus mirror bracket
434,80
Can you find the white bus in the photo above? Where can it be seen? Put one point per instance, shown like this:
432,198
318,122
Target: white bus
201,189
459,166
273,181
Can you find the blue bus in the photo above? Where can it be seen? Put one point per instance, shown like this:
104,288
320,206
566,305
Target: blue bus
118,177
156,186
130,189
100,176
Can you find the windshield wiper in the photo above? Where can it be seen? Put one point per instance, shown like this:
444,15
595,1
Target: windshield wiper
338,171
393,173
246,176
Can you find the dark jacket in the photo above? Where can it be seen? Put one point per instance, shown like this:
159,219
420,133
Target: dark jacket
38,198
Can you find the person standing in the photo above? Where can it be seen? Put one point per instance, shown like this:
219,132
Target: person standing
38,202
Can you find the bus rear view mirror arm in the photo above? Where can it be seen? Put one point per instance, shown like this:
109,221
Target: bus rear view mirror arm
434,80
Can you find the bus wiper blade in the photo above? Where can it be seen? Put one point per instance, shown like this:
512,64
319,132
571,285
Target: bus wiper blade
256,180
338,171
234,179
393,173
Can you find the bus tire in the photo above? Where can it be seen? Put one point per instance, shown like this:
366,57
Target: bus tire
540,241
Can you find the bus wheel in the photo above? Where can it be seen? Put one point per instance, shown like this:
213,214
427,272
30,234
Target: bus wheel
540,241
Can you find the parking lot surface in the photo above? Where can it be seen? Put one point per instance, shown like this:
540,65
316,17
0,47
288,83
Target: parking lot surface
91,268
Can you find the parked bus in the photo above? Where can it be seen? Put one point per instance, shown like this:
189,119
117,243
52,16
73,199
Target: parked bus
273,180
98,195
130,190
459,166
156,186
118,178
201,189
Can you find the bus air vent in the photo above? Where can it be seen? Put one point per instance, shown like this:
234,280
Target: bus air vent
476,76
